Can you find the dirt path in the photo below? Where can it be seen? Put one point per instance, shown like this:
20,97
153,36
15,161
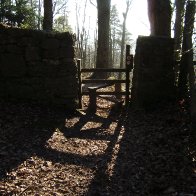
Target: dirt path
47,152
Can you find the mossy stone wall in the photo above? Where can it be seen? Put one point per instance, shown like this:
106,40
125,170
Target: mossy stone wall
38,66
153,75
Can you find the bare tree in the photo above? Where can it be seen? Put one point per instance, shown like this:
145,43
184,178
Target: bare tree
178,26
81,32
115,36
159,13
187,52
187,58
103,47
59,7
39,15
128,3
48,15
103,8
178,29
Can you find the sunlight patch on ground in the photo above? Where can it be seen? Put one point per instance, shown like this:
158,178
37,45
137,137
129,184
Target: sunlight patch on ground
71,122
116,149
36,175
91,125
75,145
113,126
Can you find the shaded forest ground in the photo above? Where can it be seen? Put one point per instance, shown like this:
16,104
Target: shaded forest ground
44,151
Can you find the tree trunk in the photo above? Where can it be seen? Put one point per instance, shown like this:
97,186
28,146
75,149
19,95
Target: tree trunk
39,15
159,13
187,56
122,53
2,11
103,8
123,34
95,48
178,26
81,33
115,33
187,41
48,15
178,29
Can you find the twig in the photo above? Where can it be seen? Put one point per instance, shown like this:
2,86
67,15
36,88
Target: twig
25,190
92,3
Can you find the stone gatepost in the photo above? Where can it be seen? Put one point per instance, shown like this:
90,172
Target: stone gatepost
153,75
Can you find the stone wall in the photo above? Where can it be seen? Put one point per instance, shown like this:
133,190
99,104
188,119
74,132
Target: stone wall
38,66
153,75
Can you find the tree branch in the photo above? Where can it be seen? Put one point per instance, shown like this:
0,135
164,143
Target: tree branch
92,3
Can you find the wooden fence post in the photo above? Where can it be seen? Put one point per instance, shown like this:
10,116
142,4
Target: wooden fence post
92,100
102,83
127,73
79,83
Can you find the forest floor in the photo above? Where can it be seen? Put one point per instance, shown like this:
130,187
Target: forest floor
44,151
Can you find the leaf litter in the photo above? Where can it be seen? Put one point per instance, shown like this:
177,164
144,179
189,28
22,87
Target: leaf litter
46,151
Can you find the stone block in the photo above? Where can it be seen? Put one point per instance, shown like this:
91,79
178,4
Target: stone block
51,54
3,39
13,48
51,62
67,52
66,39
32,54
153,74
11,40
19,91
12,65
51,43
33,68
28,41
36,69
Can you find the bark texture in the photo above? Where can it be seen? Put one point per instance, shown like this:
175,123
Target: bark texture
159,13
48,15
103,7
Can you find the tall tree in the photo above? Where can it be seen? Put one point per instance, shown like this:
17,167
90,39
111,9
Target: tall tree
39,15
115,32
48,15
81,32
128,4
187,49
18,13
178,26
178,29
60,16
61,23
2,10
159,13
59,7
187,58
103,8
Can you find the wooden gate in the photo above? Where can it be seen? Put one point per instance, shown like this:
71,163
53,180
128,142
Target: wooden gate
95,84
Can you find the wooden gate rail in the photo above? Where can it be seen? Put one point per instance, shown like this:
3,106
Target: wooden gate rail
103,83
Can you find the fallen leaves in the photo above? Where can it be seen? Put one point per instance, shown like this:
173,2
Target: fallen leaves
139,153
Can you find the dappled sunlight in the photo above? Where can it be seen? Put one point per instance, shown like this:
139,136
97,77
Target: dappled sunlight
115,152
125,153
90,125
80,115
39,176
76,145
71,122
